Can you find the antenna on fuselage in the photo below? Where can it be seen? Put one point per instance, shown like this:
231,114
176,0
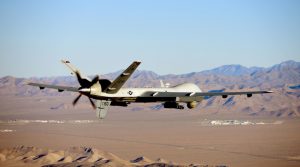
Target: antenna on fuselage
163,85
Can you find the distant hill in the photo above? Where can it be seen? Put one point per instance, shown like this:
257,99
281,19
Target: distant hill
232,70
283,78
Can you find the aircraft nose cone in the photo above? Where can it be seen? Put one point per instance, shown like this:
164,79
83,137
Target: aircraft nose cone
85,90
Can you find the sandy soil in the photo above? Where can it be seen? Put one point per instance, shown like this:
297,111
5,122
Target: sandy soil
176,135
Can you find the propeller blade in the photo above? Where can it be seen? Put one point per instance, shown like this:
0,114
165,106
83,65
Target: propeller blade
92,103
95,80
76,100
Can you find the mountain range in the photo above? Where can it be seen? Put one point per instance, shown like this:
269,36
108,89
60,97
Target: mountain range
283,79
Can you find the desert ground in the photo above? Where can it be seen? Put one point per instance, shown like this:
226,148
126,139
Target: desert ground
174,136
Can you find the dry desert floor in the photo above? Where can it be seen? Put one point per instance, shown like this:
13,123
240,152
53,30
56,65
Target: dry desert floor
181,136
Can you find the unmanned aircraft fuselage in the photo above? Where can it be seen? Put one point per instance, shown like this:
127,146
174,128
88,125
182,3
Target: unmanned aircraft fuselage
107,93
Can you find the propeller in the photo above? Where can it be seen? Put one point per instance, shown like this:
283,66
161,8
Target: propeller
85,88
76,99
92,103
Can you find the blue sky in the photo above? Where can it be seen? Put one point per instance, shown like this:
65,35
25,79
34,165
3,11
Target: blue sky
168,36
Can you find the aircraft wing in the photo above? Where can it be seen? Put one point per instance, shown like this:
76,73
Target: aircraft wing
115,86
59,88
194,94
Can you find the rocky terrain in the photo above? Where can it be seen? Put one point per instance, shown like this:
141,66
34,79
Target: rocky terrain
283,79
75,156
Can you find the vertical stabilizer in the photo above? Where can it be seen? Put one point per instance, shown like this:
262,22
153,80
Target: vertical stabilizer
102,108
